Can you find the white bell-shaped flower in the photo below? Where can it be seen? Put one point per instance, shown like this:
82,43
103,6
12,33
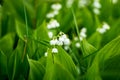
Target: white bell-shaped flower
54,50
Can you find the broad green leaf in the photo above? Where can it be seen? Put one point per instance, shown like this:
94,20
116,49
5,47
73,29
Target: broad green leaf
3,66
58,72
64,60
111,69
109,51
56,66
87,48
22,30
17,63
95,39
37,70
6,43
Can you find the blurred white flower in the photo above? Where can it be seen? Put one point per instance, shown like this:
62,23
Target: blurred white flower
67,41
50,15
114,1
96,11
76,38
53,24
77,45
59,43
83,3
53,42
83,33
101,30
46,54
54,50
96,7
69,3
96,4
66,48
50,34
56,6
55,12
104,28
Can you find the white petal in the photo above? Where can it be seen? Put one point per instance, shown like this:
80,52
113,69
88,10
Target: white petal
54,50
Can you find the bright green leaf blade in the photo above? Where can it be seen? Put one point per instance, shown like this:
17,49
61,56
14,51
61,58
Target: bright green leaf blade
3,66
37,70
110,50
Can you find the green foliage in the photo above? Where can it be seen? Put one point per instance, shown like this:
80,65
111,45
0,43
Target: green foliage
26,52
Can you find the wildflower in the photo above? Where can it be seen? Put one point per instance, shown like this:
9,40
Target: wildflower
53,42
104,28
67,41
56,6
96,4
53,24
96,7
66,47
83,33
50,34
54,50
96,11
59,43
83,3
50,15
46,54
114,1
76,38
69,3
77,45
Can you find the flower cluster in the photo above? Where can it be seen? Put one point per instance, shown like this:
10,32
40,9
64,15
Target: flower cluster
53,24
60,40
69,3
104,28
83,3
83,33
82,36
96,7
77,44
55,7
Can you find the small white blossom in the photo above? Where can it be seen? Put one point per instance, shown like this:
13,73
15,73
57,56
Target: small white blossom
83,33
50,15
106,26
67,41
53,42
53,24
101,30
114,1
84,30
50,34
59,43
46,54
96,4
66,48
76,38
56,6
96,11
54,50
69,3
77,45
55,12
81,38
83,3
